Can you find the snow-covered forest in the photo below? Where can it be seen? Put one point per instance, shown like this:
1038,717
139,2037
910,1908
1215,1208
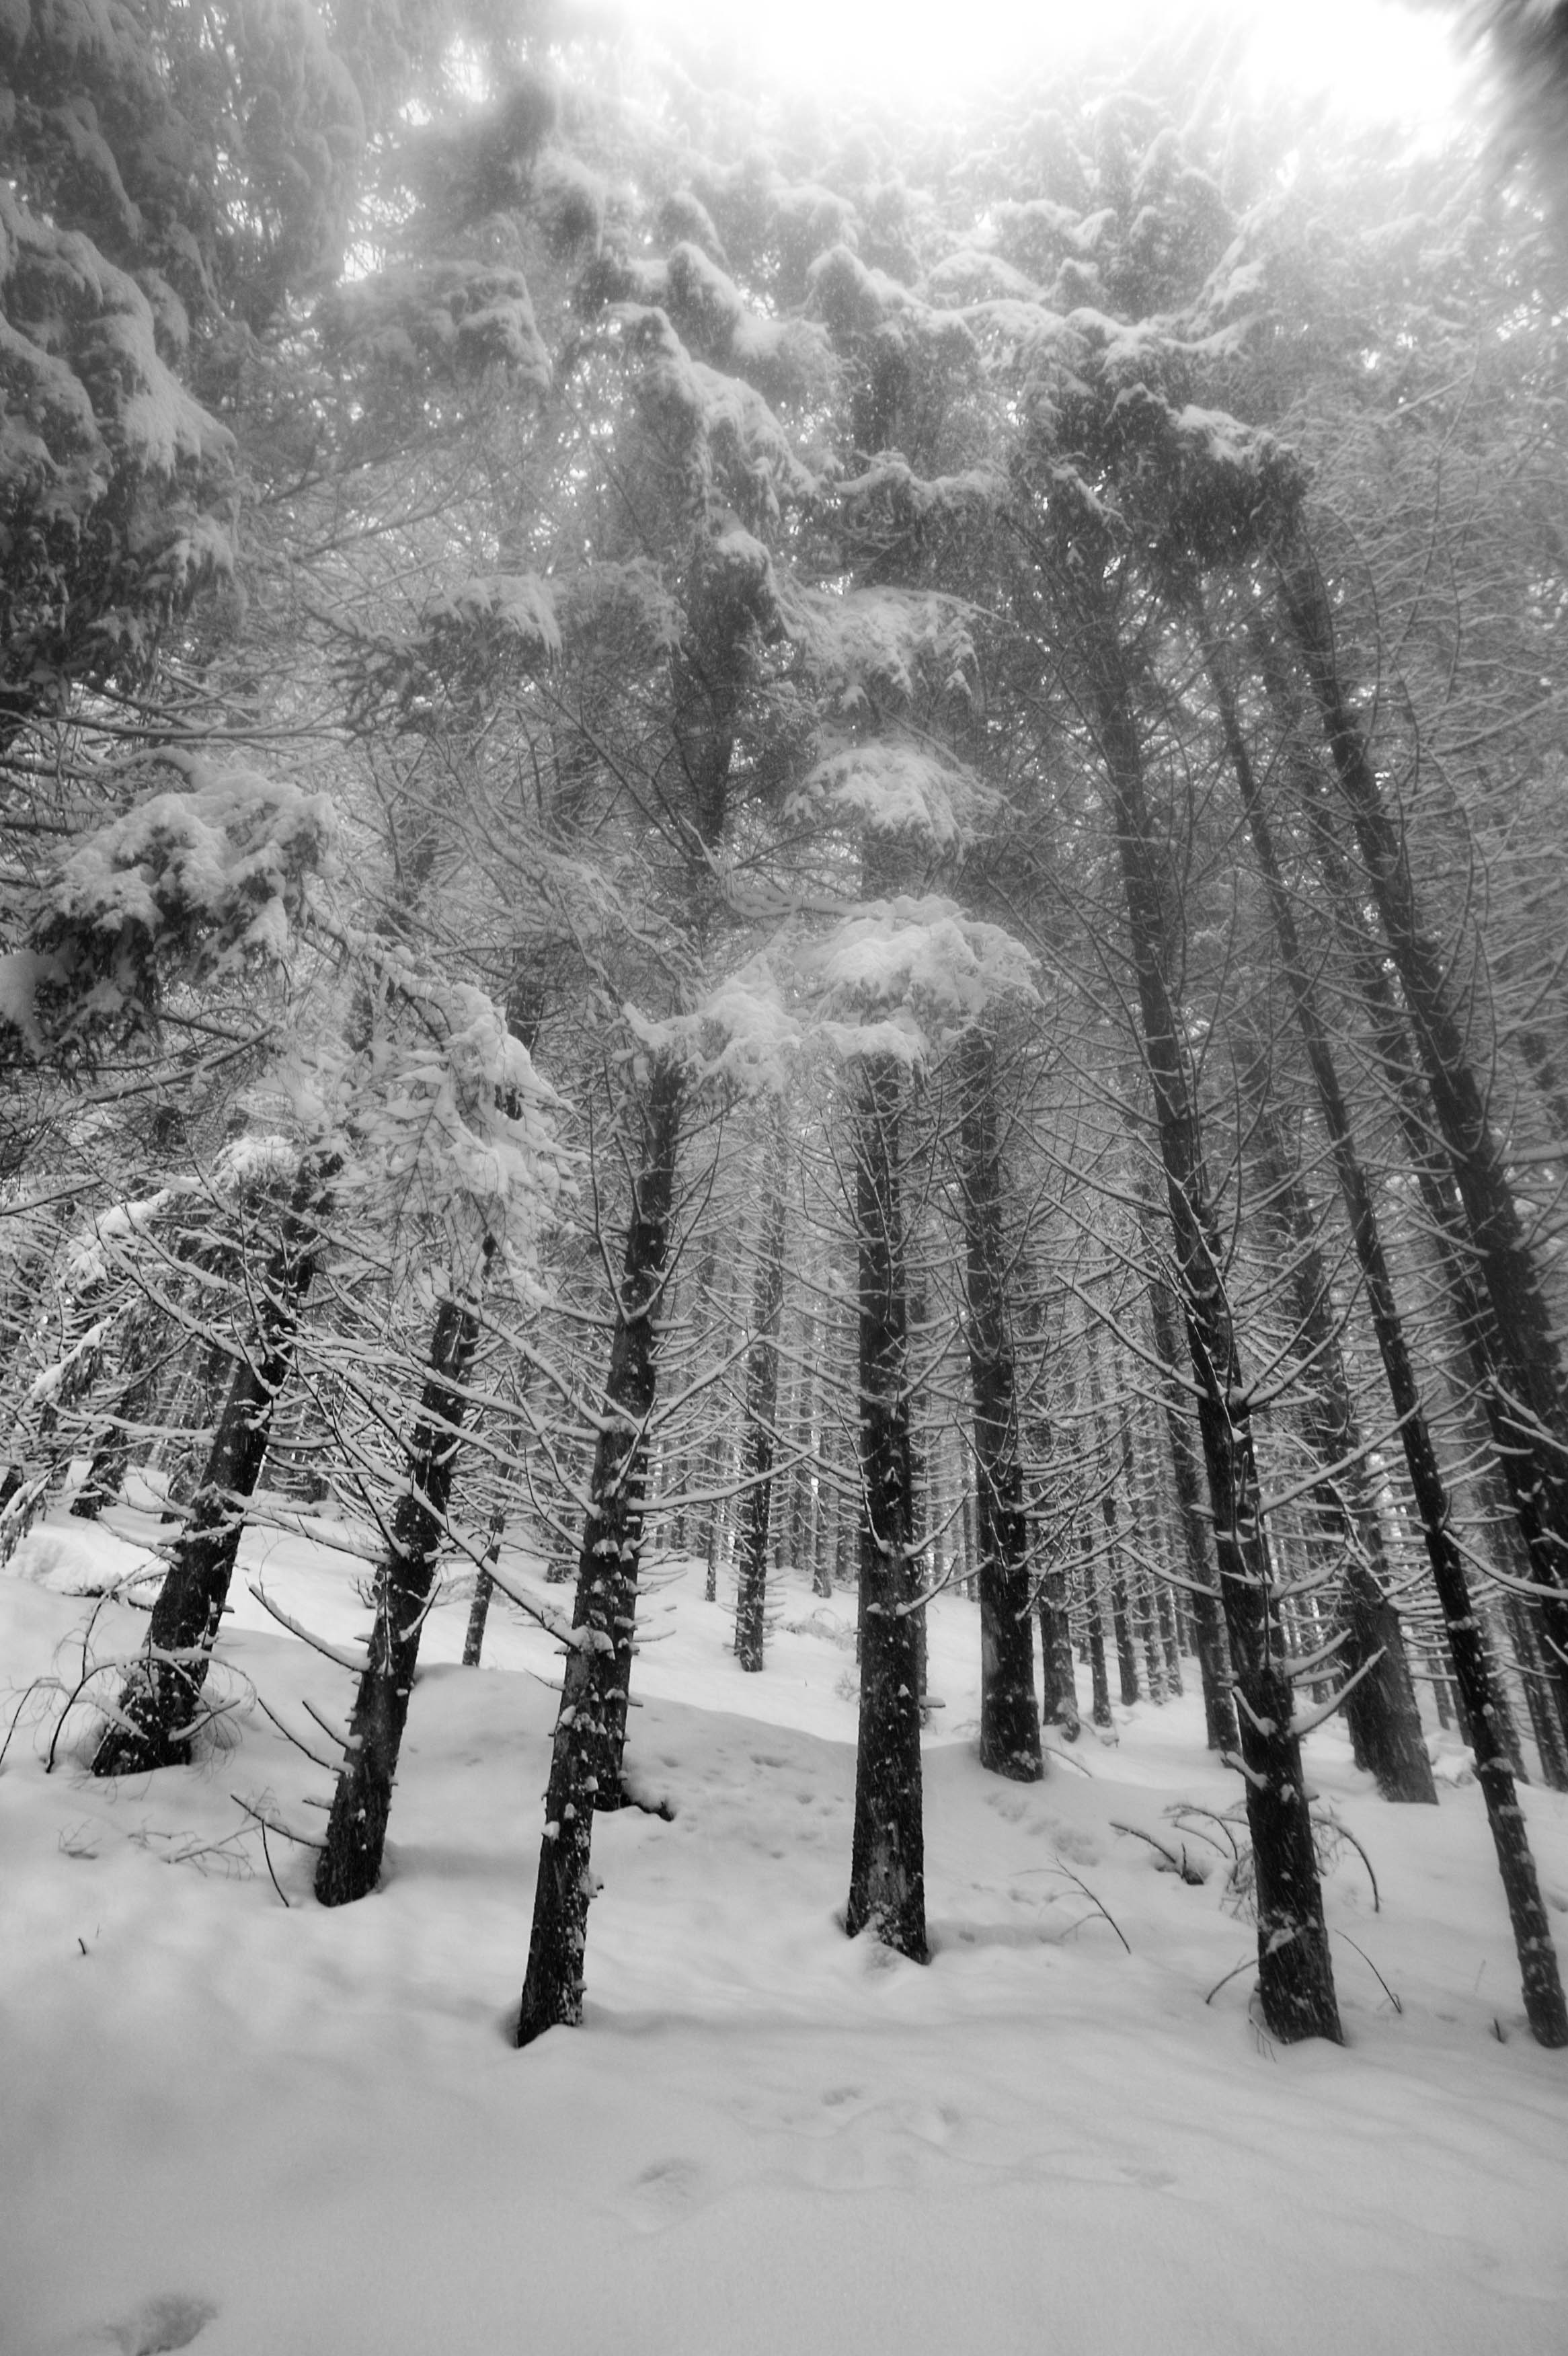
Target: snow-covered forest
783,1143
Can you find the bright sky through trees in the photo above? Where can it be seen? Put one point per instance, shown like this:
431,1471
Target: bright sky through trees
1375,58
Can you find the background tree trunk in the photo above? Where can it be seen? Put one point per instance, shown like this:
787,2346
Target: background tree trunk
887,1875
1009,1724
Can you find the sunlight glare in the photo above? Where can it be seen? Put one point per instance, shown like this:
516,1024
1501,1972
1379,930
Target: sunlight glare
1376,59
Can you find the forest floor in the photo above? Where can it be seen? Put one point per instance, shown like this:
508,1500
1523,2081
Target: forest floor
269,2131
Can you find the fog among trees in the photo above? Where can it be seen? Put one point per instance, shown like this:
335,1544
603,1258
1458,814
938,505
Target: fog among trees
799,841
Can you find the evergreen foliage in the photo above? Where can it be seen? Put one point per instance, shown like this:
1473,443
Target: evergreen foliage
818,839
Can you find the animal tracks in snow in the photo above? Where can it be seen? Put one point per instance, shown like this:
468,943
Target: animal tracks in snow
665,2191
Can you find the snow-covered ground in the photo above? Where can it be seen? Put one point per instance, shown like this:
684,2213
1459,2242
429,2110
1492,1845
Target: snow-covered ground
261,2131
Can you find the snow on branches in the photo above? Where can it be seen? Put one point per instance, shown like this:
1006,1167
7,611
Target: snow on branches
881,647
444,1130
456,319
117,489
196,885
741,1037
891,788
903,977
714,429
783,359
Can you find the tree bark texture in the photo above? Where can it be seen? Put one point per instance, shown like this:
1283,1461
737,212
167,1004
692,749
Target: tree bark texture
761,1410
888,1876
1469,1310
585,1756
1530,1387
484,1593
1009,1721
1295,1973
1207,1619
1381,1705
1543,1996
160,1697
1059,1700
1100,1682
350,1866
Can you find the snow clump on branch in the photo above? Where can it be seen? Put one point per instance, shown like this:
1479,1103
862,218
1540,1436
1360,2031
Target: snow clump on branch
904,976
882,646
443,1123
741,1037
200,884
892,790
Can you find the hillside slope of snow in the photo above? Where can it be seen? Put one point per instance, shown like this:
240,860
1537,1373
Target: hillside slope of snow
268,2132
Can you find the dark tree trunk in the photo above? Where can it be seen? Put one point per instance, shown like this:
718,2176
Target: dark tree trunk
1100,1682
1058,1706
1539,1697
693,1525
1009,1725
761,1407
159,1699
1384,1722
1490,1730
350,1866
1538,1962
484,1590
1469,1310
1207,1619
1381,1707
1047,1557
1296,1976
1170,1637
804,1502
586,1759
1126,1651
1110,1516
1147,1635
887,1878
1529,1399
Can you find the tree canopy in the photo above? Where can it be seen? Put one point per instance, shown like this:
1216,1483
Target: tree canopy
739,820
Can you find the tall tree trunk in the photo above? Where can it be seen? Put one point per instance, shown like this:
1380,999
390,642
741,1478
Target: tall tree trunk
1116,1448
1530,1391
1295,1973
1381,1707
586,1758
1121,1608
1048,1545
1538,1962
1058,1703
887,1877
1100,1682
350,1866
1470,1312
761,1407
154,1717
1126,1651
1145,1631
1009,1725
1207,1618
1170,1636
1539,1697
484,1591
1385,1723
802,1494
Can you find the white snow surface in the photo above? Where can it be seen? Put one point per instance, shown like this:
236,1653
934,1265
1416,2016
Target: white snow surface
252,2130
